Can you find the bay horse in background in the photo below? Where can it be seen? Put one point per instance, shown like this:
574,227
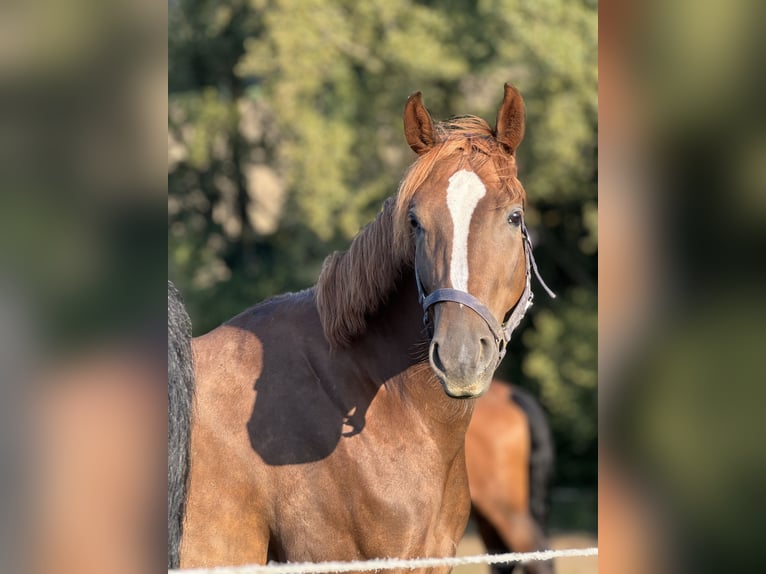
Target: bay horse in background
330,424
510,458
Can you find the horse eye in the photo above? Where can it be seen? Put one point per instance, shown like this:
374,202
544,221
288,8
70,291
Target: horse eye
515,218
414,223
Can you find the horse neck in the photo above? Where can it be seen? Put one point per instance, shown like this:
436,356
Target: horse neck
395,339
396,351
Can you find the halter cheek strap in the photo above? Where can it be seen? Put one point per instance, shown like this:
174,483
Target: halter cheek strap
501,332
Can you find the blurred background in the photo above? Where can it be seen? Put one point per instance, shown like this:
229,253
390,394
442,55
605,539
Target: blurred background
285,136
682,207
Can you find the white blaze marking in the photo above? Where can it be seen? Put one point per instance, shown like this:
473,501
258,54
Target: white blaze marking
464,191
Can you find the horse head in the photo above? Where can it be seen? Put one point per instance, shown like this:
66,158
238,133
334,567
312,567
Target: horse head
464,208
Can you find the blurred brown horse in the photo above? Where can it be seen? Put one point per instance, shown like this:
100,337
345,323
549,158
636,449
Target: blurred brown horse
509,455
330,424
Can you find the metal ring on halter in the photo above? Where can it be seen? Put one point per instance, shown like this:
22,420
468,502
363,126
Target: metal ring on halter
502,333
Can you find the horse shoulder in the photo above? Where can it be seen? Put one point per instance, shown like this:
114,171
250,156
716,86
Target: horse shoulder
236,347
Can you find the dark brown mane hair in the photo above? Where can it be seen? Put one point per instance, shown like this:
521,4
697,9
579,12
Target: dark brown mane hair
356,283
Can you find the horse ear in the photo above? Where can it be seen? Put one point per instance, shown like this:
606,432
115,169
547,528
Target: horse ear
509,129
418,126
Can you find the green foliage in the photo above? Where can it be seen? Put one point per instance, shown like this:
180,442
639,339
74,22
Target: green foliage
286,135
561,356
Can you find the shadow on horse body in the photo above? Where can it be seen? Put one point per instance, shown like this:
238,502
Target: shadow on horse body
509,456
330,424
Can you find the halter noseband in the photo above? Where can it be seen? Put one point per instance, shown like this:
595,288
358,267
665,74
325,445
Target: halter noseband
502,333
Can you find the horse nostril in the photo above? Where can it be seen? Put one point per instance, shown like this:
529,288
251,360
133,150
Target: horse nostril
488,348
436,362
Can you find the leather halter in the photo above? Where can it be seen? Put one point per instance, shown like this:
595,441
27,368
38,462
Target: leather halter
501,332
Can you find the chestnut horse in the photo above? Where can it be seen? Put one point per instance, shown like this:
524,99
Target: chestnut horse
509,456
330,424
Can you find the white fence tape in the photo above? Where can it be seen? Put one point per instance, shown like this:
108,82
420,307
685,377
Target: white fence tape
391,563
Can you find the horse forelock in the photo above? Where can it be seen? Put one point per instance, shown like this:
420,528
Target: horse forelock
356,283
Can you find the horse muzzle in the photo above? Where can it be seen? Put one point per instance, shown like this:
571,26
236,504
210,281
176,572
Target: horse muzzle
463,352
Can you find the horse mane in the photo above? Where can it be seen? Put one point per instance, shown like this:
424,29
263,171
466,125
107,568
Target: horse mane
354,284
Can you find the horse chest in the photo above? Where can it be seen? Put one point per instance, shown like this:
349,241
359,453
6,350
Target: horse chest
395,498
